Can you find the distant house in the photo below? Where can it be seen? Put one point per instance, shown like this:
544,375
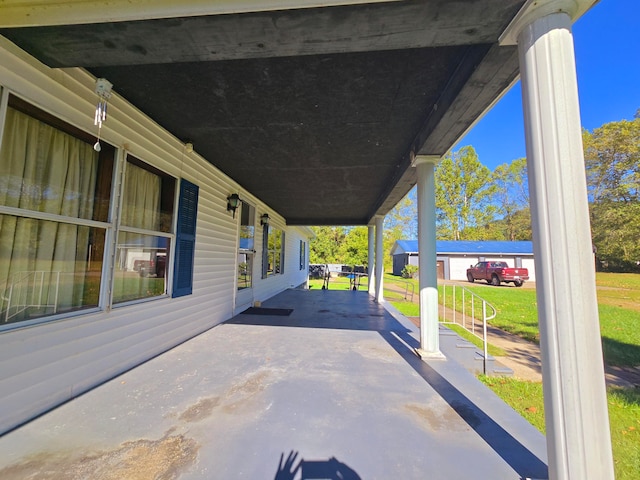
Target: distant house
455,257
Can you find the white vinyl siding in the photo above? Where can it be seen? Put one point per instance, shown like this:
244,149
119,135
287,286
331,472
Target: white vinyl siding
47,364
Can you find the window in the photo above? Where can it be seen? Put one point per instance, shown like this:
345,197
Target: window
246,246
58,222
54,202
303,250
144,241
272,251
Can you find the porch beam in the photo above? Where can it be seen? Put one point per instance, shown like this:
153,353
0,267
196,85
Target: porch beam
427,264
578,436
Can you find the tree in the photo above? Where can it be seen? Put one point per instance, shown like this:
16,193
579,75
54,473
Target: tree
616,234
399,223
404,216
464,188
612,162
324,248
354,250
512,200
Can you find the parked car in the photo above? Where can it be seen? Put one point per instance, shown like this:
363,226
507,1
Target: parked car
155,267
496,273
137,264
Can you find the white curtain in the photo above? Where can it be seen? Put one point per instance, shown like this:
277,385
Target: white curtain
140,209
46,170
141,199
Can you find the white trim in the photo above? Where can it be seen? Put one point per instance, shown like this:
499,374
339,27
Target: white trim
535,9
52,217
24,13
4,105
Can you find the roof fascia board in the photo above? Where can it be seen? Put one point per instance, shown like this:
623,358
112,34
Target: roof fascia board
32,13
534,9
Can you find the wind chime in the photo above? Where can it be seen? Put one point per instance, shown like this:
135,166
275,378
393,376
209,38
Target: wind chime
103,90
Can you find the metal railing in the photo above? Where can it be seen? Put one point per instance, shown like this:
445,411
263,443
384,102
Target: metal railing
30,290
409,289
462,307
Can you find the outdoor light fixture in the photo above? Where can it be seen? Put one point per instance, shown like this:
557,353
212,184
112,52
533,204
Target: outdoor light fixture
264,220
233,201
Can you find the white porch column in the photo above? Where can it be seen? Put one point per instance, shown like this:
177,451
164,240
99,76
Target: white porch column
372,261
428,272
578,439
379,259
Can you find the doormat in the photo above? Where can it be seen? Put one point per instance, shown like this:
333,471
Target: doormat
268,311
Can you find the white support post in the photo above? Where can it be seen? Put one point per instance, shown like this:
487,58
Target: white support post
578,438
372,261
427,266
379,259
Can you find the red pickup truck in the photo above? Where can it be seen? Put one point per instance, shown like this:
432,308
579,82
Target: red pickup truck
497,272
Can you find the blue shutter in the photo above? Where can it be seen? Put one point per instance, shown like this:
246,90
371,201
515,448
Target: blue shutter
185,239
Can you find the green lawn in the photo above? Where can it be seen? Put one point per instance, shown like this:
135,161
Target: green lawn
517,310
411,309
408,309
619,327
524,397
619,290
624,418
337,283
468,336
619,308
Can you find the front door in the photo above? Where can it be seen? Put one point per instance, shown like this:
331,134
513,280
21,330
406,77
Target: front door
246,254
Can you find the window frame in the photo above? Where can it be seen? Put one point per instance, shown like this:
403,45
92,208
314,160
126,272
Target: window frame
9,99
125,159
250,252
303,254
109,211
267,252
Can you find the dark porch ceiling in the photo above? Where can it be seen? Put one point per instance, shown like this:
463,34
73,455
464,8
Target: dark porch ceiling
316,111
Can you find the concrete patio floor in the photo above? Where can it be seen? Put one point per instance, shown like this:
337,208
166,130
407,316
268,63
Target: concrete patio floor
335,383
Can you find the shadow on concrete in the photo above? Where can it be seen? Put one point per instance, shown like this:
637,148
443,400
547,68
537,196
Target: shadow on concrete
366,315
331,469
502,442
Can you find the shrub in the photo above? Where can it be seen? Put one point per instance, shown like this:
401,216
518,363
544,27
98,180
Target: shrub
410,271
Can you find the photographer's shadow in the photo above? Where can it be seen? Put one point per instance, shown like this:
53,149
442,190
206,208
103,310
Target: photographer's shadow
330,469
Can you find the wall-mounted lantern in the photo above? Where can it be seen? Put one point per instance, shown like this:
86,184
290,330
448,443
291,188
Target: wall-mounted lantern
233,201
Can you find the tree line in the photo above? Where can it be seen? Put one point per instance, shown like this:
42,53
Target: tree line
475,203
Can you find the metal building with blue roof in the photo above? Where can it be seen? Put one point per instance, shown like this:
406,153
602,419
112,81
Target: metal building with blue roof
454,257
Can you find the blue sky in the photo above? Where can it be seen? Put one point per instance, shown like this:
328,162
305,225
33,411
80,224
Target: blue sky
607,46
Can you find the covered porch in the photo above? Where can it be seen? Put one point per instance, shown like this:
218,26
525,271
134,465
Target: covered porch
310,113
336,381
